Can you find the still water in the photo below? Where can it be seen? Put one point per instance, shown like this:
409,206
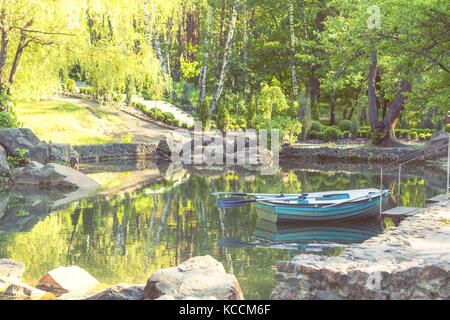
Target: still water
122,236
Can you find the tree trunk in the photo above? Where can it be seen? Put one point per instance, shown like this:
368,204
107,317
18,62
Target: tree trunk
159,54
383,133
22,44
225,58
373,110
204,69
4,44
293,71
333,107
246,87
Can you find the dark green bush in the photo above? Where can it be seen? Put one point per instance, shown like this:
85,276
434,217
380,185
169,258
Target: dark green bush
331,134
345,125
223,119
313,134
316,126
204,115
447,128
413,135
346,134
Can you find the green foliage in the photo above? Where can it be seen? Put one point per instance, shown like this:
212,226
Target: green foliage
223,119
289,129
70,85
8,120
130,90
447,128
87,91
413,135
251,114
316,126
272,101
345,125
313,134
304,111
315,112
331,134
204,115
20,160
126,138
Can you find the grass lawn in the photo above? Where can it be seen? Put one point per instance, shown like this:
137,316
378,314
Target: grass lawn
77,124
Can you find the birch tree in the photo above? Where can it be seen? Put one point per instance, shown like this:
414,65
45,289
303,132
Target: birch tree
226,57
292,30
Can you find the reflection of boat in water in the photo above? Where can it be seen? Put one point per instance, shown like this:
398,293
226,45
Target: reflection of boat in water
354,231
321,206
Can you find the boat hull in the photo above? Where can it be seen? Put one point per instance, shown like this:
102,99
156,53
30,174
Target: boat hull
281,213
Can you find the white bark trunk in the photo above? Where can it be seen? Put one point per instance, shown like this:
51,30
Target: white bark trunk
245,53
293,71
226,56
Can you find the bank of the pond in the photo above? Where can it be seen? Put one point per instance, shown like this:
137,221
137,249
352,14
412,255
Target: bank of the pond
411,261
433,149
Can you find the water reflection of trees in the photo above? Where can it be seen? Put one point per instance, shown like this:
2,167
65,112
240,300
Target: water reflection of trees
127,237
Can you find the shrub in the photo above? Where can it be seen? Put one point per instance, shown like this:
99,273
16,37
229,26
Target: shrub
70,85
271,100
447,128
204,115
8,120
331,134
345,125
242,123
251,114
313,134
413,135
316,126
346,134
404,134
223,119
87,91
184,125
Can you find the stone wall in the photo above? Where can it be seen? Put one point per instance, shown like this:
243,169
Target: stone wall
411,261
102,152
435,148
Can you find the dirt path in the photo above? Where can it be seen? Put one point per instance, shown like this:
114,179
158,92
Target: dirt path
141,131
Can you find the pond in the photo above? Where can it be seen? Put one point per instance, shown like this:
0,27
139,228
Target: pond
122,236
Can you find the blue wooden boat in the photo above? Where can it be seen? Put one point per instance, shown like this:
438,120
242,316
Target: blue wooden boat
321,206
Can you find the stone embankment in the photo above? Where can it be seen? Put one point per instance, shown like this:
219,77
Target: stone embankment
411,261
435,148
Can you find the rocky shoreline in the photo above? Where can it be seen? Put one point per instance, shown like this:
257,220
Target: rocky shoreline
199,278
411,261
435,148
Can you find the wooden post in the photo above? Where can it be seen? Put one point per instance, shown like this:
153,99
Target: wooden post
381,188
399,174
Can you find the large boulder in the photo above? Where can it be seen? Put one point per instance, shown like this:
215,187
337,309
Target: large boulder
197,278
25,291
67,279
39,151
122,291
51,175
18,138
171,145
4,166
63,152
10,268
